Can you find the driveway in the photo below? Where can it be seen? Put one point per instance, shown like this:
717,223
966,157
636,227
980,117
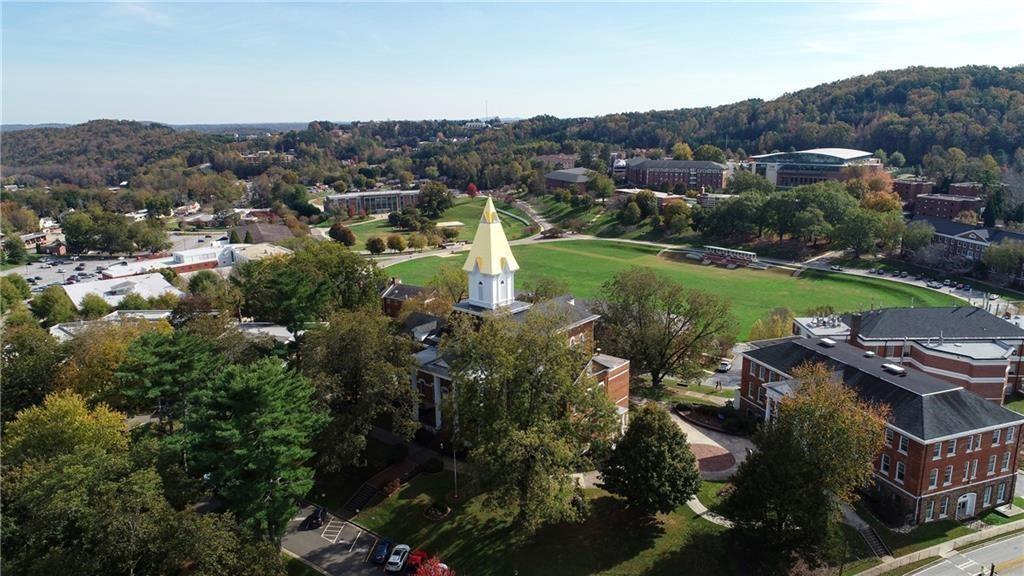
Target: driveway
338,547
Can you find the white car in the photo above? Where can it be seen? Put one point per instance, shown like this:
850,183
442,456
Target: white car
725,365
398,557
993,296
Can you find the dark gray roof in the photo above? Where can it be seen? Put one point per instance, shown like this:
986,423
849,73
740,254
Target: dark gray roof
263,232
951,228
957,322
574,311
921,404
399,291
571,175
680,165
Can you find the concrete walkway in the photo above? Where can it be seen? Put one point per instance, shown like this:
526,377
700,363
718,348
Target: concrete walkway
714,444
702,511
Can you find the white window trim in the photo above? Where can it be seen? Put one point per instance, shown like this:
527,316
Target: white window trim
897,475
937,451
933,478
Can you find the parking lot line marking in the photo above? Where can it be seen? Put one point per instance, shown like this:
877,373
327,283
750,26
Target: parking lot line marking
372,547
353,546
338,536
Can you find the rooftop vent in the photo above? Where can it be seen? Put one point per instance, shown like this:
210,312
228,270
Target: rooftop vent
869,354
828,343
894,369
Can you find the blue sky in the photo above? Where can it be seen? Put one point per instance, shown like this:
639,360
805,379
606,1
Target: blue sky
266,62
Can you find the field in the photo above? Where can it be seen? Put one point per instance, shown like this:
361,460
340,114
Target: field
465,210
586,265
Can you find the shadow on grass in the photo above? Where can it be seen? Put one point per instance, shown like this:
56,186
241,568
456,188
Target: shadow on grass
703,553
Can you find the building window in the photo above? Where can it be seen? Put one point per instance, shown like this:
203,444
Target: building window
888,437
947,477
977,441
1009,433
900,471
991,464
933,478
995,437
988,496
944,509
974,469
937,451
951,448
884,466
970,443
1001,492
753,369
760,394
1006,461
967,471
904,444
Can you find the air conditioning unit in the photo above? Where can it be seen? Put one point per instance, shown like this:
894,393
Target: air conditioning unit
828,343
894,369
869,354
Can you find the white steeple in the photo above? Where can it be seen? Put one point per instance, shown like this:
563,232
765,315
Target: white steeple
491,265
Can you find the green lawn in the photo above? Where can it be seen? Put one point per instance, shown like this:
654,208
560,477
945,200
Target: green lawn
709,494
32,257
923,536
586,265
995,518
612,541
913,566
465,210
858,554
296,567
603,223
1016,403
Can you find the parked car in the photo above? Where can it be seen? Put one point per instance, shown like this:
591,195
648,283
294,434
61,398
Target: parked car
382,551
222,239
993,296
38,289
836,267
74,258
397,559
946,282
903,274
415,559
316,519
725,365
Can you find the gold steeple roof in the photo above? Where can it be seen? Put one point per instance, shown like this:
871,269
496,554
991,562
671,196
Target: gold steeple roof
490,251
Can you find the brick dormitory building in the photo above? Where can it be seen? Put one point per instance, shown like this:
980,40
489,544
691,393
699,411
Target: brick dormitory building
491,269
948,452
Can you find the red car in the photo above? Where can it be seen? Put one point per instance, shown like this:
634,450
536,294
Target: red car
417,558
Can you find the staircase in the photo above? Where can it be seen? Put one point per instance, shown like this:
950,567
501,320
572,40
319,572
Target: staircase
364,496
878,548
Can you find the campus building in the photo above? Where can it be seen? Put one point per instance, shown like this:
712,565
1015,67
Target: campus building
945,205
788,169
572,179
491,268
948,453
372,201
969,241
910,187
693,174
962,345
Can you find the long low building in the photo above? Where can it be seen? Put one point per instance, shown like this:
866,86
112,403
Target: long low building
969,241
113,290
371,201
692,174
948,453
214,255
788,169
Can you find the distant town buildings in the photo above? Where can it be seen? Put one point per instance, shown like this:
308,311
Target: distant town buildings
788,169
945,205
966,188
213,255
692,174
372,201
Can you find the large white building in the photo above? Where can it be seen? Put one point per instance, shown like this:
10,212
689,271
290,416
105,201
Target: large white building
113,290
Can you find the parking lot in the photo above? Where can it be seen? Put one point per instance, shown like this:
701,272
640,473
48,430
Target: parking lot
338,547
58,274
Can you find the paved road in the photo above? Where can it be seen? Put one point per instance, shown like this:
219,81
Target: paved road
1007,555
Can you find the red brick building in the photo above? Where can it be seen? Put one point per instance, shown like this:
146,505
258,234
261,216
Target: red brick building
948,453
966,188
945,205
912,187
693,174
490,268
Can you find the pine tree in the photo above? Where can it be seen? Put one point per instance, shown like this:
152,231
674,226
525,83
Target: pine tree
249,429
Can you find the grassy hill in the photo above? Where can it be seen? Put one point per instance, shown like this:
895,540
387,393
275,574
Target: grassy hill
586,265
465,210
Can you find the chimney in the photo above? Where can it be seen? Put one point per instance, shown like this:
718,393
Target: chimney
855,320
